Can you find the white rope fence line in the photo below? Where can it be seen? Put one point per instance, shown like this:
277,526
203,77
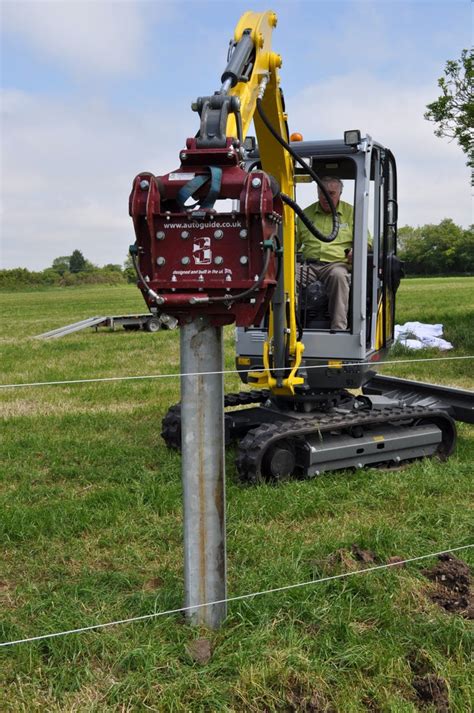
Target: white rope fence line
215,373
240,597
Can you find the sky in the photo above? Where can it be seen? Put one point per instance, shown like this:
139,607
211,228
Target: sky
93,92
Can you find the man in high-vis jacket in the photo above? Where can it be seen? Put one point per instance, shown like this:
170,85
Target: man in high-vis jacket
329,262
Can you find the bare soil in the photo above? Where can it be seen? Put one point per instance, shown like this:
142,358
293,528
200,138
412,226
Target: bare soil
432,690
453,585
301,700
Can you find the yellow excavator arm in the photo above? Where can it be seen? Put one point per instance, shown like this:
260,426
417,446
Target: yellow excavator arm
263,83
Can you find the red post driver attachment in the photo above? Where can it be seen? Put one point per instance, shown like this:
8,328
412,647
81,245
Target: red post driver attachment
196,261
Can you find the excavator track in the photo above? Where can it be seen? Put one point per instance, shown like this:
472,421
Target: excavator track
171,424
278,450
280,446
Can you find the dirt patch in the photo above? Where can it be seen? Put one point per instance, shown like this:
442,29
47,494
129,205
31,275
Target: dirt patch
396,560
340,557
453,585
419,663
200,650
370,704
345,560
336,562
432,690
300,700
154,583
365,556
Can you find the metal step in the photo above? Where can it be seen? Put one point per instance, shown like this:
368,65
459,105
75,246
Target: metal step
70,328
459,403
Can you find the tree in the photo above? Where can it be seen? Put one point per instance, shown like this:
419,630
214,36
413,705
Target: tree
453,111
61,264
437,249
112,267
129,270
77,263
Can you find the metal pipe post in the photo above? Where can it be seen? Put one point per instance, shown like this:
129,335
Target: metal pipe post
203,471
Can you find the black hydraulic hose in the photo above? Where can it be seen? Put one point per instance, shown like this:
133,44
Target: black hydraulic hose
141,279
300,328
224,298
335,218
241,295
304,219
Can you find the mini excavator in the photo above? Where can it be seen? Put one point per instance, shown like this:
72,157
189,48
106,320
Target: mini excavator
216,238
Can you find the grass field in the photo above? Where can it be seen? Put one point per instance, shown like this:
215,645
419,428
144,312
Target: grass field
91,532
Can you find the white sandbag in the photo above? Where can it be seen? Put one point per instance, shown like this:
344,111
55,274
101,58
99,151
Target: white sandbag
417,335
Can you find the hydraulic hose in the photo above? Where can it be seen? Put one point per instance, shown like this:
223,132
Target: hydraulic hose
246,293
304,219
286,199
141,279
225,298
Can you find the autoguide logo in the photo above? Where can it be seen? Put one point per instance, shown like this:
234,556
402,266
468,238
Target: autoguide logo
202,252
205,226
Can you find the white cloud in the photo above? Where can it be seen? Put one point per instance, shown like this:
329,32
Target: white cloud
67,172
433,179
98,38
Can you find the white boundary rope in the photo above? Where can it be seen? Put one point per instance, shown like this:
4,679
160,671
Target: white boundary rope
144,617
210,373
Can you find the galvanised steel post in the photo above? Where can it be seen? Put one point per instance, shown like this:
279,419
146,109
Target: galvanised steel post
203,470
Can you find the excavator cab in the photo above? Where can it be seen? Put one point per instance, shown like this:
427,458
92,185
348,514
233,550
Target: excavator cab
368,171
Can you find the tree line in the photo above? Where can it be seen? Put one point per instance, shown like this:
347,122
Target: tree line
67,271
442,249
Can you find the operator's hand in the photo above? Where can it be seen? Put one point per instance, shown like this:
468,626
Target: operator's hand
349,256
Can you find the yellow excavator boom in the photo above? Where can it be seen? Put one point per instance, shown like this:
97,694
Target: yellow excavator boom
264,83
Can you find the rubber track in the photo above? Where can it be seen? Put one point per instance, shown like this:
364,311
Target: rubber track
171,423
254,445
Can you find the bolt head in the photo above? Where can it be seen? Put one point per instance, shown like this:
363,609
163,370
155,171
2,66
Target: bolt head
244,260
183,156
185,260
160,261
144,185
243,233
218,260
218,234
185,234
160,235
256,182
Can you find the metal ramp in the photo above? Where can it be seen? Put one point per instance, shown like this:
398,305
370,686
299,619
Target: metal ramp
70,328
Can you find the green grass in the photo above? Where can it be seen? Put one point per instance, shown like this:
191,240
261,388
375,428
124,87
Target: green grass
91,532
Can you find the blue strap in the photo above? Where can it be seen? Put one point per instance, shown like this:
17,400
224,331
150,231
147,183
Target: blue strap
197,182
